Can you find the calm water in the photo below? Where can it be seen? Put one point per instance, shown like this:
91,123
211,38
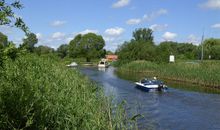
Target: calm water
175,109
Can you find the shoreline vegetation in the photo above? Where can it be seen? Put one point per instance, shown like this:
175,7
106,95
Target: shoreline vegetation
200,73
38,92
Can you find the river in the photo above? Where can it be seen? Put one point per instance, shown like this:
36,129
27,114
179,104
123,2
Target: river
175,109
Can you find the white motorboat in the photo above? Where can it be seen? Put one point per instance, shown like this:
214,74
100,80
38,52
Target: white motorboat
73,64
103,63
151,84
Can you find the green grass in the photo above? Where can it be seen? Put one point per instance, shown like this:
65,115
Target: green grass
41,93
203,73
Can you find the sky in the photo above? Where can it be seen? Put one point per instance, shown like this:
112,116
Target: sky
57,22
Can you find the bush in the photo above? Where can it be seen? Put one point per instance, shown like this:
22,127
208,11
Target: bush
39,93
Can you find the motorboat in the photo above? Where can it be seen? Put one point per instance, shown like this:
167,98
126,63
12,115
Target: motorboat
73,64
103,63
151,84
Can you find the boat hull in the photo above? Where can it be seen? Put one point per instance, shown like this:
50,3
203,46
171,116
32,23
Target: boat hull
150,87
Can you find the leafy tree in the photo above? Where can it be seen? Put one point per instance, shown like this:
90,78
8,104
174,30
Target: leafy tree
143,34
8,17
187,50
209,46
109,52
62,50
40,50
29,42
215,53
89,46
140,48
3,40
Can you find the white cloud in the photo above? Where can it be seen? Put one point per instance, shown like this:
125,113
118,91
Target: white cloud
157,27
169,36
193,39
7,30
114,31
39,36
211,4
216,26
58,23
133,21
155,14
88,31
58,35
121,3
147,17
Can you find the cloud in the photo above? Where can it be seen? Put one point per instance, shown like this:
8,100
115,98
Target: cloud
58,35
7,30
39,36
133,21
88,31
168,36
193,39
58,23
121,3
157,27
147,17
216,26
154,15
114,31
211,4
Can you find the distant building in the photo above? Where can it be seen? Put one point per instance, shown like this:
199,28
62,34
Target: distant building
111,57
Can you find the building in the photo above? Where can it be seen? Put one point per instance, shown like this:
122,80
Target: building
111,57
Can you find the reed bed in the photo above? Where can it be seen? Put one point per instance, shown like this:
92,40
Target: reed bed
40,93
201,73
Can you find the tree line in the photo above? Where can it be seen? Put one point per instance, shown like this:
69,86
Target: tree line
142,47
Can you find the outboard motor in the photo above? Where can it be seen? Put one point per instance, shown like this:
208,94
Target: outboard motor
160,87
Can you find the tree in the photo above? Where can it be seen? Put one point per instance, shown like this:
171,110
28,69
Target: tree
29,42
215,53
141,47
7,16
40,50
89,46
209,46
62,50
143,34
3,40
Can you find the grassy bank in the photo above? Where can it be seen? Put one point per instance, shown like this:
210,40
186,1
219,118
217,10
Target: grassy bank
204,73
40,93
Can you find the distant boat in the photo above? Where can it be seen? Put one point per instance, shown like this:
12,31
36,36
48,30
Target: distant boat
73,64
151,84
103,63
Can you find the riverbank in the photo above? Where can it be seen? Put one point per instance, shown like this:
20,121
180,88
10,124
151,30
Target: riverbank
42,93
200,73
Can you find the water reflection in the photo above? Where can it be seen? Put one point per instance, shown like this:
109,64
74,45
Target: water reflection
102,69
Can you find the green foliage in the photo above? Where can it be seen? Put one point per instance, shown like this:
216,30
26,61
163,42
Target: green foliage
139,48
62,50
42,50
39,93
180,50
211,48
29,42
143,34
3,39
89,46
7,15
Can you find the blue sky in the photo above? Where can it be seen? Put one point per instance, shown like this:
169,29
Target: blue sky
57,21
